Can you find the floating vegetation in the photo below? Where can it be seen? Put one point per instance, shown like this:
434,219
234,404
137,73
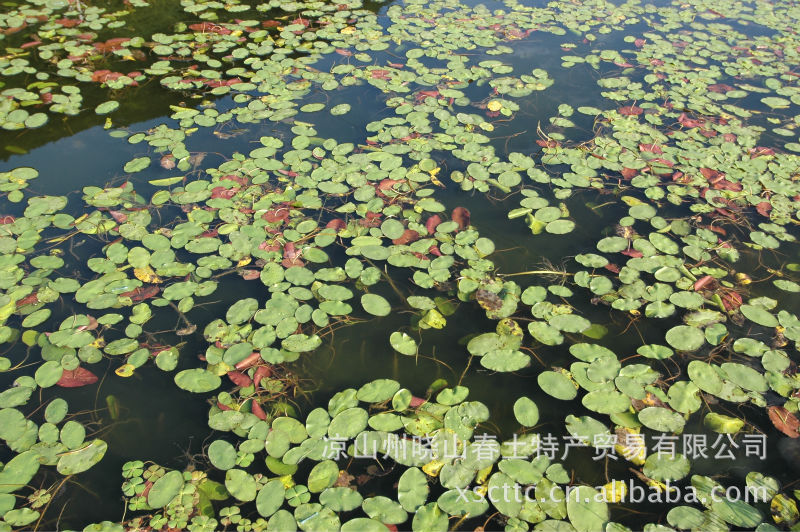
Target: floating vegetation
287,172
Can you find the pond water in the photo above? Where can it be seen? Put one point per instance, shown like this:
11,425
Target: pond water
506,248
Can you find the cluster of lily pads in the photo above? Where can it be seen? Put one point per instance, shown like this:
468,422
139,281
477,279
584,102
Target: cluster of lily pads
687,175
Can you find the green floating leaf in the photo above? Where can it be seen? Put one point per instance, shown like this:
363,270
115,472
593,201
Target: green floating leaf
137,165
586,510
270,498
685,338
758,315
165,489
341,109
18,471
222,455
403,343
505,360
376,305
526,412
322,476
80,460
197,380
106,107
558,385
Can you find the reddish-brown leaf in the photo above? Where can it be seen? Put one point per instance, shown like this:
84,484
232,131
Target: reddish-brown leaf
461,216
76,378
262,372
408,236
431,223
337,224
631,110
168,162
731,300
257,410
119,217
784,421
764,208
249,361
703,282
240,379
250,275
142,292
416,402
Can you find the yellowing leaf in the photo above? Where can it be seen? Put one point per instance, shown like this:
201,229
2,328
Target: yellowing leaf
483,474
125,370
614,491
494,106
433,467
147,275
630,201
244,262
99,343
287,481
348,30
631,445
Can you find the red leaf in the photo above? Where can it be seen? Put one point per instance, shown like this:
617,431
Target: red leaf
650,148
548,143
638,43
210,27
632,253
629,173
720,88
30,299
249,360
240,379
68,22
431,223
249,275
142,292
711,174
461,216
684,120
731,300
147,487
262,372
228,193
241,180
758,151
118,216
257,411
416,402
168,162
784,421
631,110
703,282
76,378
276,215
336,224
662,161
408,236
764,208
